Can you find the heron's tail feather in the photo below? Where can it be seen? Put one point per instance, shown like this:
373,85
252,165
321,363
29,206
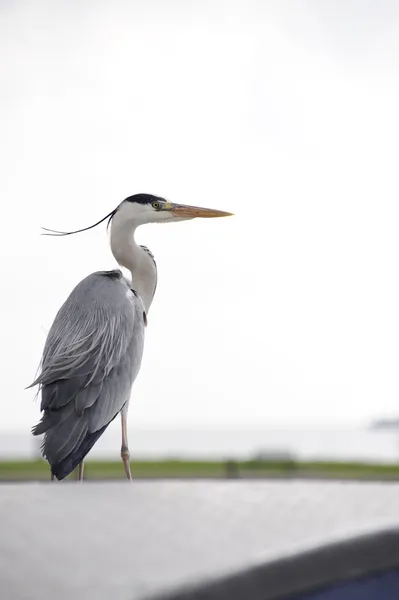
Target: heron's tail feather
67,439
65,466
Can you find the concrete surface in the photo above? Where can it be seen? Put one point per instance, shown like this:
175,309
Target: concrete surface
121,541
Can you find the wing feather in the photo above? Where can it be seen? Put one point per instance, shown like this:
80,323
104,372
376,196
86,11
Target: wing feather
115,391
87,397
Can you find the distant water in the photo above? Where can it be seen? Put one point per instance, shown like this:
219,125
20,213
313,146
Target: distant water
338,444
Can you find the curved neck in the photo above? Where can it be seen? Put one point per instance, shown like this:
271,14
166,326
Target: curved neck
130,255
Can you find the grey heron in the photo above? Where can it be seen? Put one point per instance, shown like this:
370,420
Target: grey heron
94,348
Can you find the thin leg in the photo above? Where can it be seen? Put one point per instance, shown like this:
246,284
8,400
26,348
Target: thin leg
125,454
80,471
52,477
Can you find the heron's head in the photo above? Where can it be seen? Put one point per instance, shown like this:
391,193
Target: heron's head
146,208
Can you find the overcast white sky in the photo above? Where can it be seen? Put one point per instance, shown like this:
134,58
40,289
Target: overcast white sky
284,112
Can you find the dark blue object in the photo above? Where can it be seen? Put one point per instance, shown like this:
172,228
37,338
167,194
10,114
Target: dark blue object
379,587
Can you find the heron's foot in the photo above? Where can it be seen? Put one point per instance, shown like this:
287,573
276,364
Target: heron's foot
125,455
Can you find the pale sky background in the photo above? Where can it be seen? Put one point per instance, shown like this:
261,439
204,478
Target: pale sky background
284,112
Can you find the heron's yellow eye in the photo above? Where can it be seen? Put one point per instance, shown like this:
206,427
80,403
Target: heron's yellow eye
156,205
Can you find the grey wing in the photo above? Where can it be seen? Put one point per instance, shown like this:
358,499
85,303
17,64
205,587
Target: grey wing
91,357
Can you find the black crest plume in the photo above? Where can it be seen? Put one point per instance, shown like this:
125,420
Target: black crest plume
139,198
61,233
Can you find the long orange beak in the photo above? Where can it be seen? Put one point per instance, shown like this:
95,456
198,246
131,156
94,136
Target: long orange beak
182,210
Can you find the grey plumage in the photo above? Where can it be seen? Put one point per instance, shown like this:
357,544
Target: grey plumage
91,358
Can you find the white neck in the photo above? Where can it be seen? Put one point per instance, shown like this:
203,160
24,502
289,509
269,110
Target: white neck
131,256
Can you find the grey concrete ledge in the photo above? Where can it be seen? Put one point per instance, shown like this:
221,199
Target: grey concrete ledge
123,541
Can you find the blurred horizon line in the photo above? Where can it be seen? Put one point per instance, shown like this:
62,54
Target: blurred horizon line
350,442
256,425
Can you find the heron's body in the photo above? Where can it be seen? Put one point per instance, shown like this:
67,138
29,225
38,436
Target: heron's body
91,358
94,348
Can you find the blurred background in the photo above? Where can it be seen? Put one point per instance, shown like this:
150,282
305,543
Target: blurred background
272,345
